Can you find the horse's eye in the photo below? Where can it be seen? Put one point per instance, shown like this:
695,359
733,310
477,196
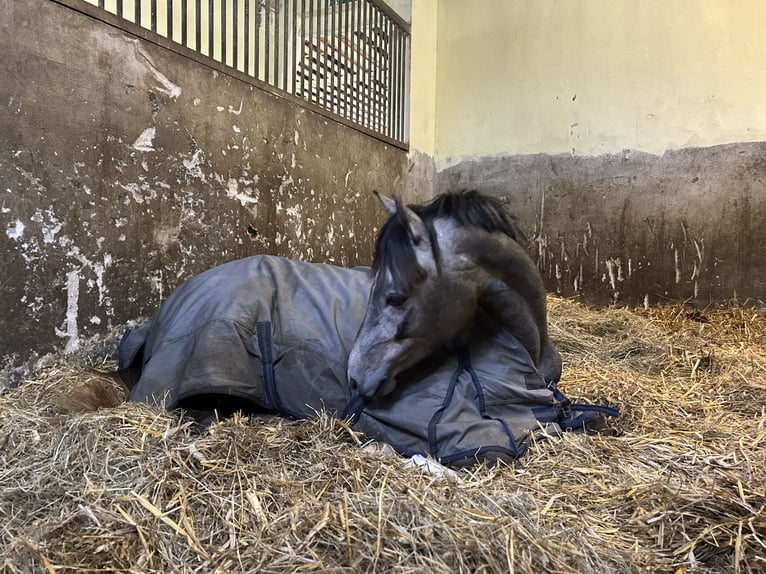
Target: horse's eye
396,299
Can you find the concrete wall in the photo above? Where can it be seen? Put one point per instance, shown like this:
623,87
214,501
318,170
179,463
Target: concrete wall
126,167
627,135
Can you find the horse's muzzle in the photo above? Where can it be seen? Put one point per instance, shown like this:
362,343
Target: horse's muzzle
380,389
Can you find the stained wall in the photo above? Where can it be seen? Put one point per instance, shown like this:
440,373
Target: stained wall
628,136
126,167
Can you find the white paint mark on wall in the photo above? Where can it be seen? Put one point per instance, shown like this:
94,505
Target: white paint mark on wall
236,112
614,269
156,281
15,230
69,330
145,142
49,224
166,86
232,191
138,193
194,166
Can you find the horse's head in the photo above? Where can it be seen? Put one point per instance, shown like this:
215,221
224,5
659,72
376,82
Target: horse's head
416,303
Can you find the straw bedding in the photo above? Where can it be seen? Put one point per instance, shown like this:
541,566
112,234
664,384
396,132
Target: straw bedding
680,487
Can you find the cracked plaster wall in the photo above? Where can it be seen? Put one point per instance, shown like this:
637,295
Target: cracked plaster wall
126,168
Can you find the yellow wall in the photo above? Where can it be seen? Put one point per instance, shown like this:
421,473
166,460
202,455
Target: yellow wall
594,76
423,76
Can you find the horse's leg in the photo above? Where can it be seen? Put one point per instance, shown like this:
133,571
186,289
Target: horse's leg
550,362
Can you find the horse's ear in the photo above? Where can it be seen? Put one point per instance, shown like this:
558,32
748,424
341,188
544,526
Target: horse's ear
388,204
415,226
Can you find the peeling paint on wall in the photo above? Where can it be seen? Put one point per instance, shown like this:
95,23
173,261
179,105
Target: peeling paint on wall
69,329
145,141
143,183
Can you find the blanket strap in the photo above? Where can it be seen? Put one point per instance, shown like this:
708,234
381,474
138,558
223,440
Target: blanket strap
263,330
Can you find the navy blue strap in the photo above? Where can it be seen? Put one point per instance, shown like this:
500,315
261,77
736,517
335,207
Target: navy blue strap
354,408
464,365
263,330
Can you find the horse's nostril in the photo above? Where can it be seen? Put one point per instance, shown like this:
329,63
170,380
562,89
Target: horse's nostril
352,384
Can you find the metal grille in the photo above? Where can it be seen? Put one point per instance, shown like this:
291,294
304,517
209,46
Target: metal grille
349,57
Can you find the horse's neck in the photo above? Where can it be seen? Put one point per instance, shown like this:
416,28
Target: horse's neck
505,272
508,286
511,290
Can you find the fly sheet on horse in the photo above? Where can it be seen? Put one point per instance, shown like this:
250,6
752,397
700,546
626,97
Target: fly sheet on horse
268,334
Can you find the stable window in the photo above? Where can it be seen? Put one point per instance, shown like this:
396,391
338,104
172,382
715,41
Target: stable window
347,58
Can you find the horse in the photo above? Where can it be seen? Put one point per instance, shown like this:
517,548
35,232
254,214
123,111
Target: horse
453,310
434,267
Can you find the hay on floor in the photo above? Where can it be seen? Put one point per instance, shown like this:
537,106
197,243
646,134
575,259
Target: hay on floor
681,488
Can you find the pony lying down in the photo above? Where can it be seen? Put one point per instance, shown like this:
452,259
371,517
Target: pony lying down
440,350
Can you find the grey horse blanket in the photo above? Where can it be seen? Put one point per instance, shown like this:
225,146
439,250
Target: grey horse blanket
272,335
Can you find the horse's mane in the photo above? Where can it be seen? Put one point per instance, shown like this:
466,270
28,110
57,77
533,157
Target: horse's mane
394,250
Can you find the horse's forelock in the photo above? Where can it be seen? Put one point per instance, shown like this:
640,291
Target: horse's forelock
395,253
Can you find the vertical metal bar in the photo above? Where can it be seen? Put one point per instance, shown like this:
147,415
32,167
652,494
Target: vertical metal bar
294,59
371,62
266,39
247,37
311,52
303,49
403,86
276,42
339,62
235,33
184,23
343,59
137,12
316,55
325,72
210,29
153,15
390,79
257,40
285,40
375,39
355,74
119,8
101,4
169,20
372,46
383,51
224,32
365,120
368,64
395,74
334,99
197,25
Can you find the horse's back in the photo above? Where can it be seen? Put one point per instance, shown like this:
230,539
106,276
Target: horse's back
230,328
